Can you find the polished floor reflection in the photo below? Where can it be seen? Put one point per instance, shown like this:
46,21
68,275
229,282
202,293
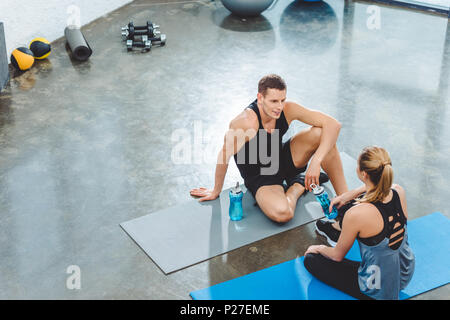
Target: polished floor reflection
86,146
440,4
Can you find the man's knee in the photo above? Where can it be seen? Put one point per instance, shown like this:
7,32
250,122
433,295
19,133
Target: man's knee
315,135
272,201
282,214
308,141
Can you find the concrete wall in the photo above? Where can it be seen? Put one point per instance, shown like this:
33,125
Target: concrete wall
25,20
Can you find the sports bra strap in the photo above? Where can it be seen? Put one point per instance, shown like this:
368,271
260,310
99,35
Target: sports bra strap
398,205
392,214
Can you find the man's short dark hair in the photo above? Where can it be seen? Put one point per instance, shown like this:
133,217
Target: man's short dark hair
271,81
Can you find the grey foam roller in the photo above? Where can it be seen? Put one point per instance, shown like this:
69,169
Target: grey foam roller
4,71
77,43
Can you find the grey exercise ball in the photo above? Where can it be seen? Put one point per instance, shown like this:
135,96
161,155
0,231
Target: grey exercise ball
309,28
247,8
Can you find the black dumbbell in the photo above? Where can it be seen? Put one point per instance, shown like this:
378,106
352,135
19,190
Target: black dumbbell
145,44
129,31
161,40
149,25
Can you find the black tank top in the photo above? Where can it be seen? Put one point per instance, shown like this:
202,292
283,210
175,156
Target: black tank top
392,213
250,158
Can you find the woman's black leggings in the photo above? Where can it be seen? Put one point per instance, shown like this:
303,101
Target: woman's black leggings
340,275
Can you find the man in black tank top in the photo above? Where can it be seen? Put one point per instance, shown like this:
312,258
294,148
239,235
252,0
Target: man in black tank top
254,139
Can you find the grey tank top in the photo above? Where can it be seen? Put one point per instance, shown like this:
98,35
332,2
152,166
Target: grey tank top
388,265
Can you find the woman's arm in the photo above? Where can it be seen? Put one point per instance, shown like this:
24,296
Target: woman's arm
346,197
348,235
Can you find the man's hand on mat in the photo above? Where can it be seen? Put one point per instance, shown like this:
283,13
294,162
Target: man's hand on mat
312,175
204,194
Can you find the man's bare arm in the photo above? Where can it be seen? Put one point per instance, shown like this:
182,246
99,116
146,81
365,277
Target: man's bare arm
330,126
330,132
239,132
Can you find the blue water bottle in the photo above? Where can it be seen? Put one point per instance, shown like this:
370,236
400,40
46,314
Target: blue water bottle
236,195
322,197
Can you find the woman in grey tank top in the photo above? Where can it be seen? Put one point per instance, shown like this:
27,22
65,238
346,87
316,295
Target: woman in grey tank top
376,216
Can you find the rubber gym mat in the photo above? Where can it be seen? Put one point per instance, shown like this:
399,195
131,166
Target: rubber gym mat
192,232
429,238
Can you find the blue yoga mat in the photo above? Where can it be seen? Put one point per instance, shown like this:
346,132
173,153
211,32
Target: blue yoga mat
429,238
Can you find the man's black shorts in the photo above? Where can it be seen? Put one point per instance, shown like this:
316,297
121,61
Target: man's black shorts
287,169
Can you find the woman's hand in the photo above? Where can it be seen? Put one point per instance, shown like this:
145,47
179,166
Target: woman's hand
204,194
314,249
346,197
339,201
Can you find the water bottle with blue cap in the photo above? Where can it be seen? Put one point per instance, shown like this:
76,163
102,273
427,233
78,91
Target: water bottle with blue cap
324,200
236,195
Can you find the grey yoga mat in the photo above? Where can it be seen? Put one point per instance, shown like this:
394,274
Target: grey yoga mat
192,232
77,43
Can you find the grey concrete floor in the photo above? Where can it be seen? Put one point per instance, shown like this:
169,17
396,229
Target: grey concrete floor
86,146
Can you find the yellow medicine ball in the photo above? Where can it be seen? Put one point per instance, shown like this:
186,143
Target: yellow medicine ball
41,48
22,58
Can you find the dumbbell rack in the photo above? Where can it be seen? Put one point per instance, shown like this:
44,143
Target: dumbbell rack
149,35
